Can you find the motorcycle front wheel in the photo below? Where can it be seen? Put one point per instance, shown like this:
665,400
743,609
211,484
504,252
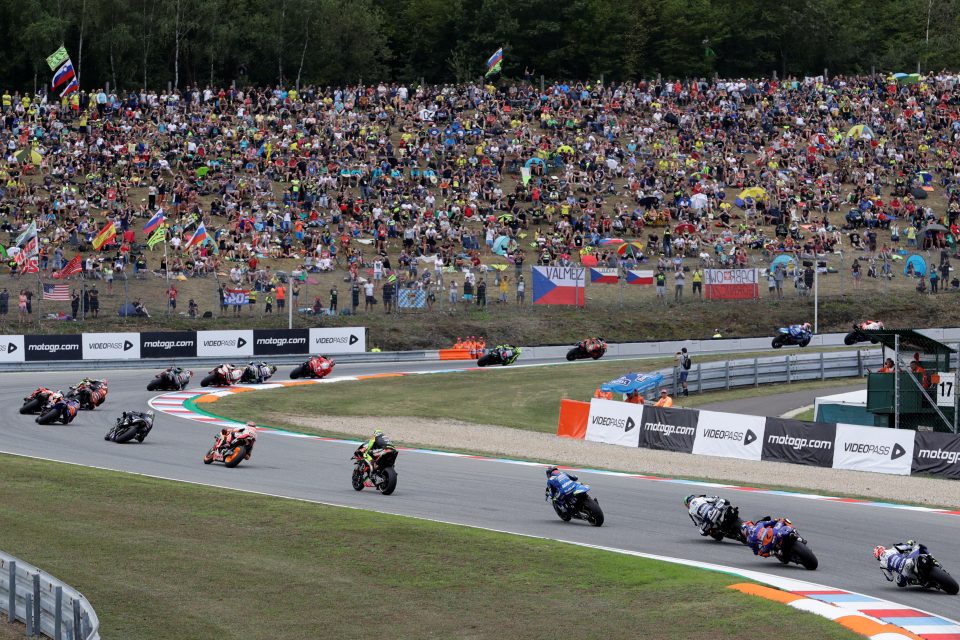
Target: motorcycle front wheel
572,354
207,459
388,481
298,372
153,385
802,555
47,418
127,435
357,479
564,515
850,339
485,360
209,380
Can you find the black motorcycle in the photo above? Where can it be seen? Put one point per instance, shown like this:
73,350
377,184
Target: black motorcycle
858,335
380,474
580,505
930,575
172,379
583,350
499,355
785,338
727,523
131,425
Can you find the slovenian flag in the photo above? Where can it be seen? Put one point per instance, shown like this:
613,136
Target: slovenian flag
70,88
603,275
63,75
639,277
198,238
494,62
154,222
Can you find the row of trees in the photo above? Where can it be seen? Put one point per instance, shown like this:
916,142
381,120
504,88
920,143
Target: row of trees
132,43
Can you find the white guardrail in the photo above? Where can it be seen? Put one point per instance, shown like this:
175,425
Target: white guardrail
46,605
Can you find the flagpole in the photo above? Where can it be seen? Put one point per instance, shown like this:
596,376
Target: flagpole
166,272
39,294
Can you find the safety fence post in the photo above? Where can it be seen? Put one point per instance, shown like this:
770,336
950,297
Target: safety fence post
789,373
859,363
823,374
756,372
12,604
36,603
76,620
699,378
726,373
29,610
58,613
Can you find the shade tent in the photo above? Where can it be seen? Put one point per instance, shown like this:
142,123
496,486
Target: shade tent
919,265
861,131
786,260
500,245
641,382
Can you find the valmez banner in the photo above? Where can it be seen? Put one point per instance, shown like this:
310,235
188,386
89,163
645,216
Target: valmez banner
111,346
668,429
729,435
168,344
936,453
731,284
230,344
797,442
53,347
338,340
614,422
273,342
11,349
559,285
874,449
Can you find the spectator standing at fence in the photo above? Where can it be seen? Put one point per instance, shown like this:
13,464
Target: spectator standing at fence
521,290
778,275
678,279
95,301
453,293
389,288
4,302
172,297
368,295
281,298
504,289
934,280
855,270
684,363
355,296
482,293
74,304
22,305
334,294
661,280
697,280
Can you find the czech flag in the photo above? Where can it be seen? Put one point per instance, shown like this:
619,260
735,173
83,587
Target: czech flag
154,222
106,234
639,277
604,275
559,285
63,75
198,238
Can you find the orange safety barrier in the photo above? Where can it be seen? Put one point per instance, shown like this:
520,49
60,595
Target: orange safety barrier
456,354
573,419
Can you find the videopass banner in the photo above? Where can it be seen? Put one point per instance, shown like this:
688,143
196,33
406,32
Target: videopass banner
327,340
668,429
937,453
230,344
729,435
614,422
111,346
797,442
53,347
11,349
874,449
280,342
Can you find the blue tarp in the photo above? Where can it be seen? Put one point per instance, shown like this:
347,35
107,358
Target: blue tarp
919,265
641,382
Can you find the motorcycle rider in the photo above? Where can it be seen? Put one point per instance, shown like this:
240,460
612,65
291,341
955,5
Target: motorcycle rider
506,351
146,416
592,345
900,559
378,440
257,372
762,536
228,435
560,484
798,331
703,510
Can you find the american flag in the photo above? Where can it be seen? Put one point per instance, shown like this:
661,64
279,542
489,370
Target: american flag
56,292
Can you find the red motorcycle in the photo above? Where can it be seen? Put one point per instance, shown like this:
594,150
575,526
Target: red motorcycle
223,376
232,446
591,348
315,367
90,393
34,402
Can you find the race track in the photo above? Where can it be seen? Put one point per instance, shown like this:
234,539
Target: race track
641,515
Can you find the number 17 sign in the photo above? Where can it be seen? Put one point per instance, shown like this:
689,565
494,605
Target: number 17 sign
946,389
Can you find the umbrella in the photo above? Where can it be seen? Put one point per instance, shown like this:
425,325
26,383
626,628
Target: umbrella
698,201
608,241
633,382
564,148
632,248
500,245
757,193
505,217
934,228
588,260
860,131
686,227
498,267
202,172
27,156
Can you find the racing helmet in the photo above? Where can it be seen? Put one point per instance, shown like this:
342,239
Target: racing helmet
878,551
378,433
807,326
550,471
911,543
686,501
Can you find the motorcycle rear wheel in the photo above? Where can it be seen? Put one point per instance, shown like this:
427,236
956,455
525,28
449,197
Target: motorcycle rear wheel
593,511
357,479
388,482
777,342
47,418
30,406
235,456
947,582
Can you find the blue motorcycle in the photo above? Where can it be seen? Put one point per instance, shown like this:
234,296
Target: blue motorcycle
785,338
577,505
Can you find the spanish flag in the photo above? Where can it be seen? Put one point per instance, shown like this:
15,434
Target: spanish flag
106,235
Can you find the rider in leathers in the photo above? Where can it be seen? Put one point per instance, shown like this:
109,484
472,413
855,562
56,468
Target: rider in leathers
227,436
379,440
900,559
703,511
560,484
762,536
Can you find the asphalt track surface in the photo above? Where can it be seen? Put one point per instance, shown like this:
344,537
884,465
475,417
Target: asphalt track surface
779,404
641,515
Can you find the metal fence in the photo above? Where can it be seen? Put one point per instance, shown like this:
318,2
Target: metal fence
46,605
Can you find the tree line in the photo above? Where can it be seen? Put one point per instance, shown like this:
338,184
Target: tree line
136,43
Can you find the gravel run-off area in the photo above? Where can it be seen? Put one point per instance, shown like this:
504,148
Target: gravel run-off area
530,445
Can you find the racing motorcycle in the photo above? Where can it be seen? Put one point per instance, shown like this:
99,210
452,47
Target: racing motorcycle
594,348
579,505
785,338
790,546
501,354
170,379
223,376
315,367
251,371
59,407
35,401
130,425
857,334
231,448
930,574
380,474
90,393
727,522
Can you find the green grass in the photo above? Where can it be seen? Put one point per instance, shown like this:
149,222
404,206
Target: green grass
165,560
805,415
